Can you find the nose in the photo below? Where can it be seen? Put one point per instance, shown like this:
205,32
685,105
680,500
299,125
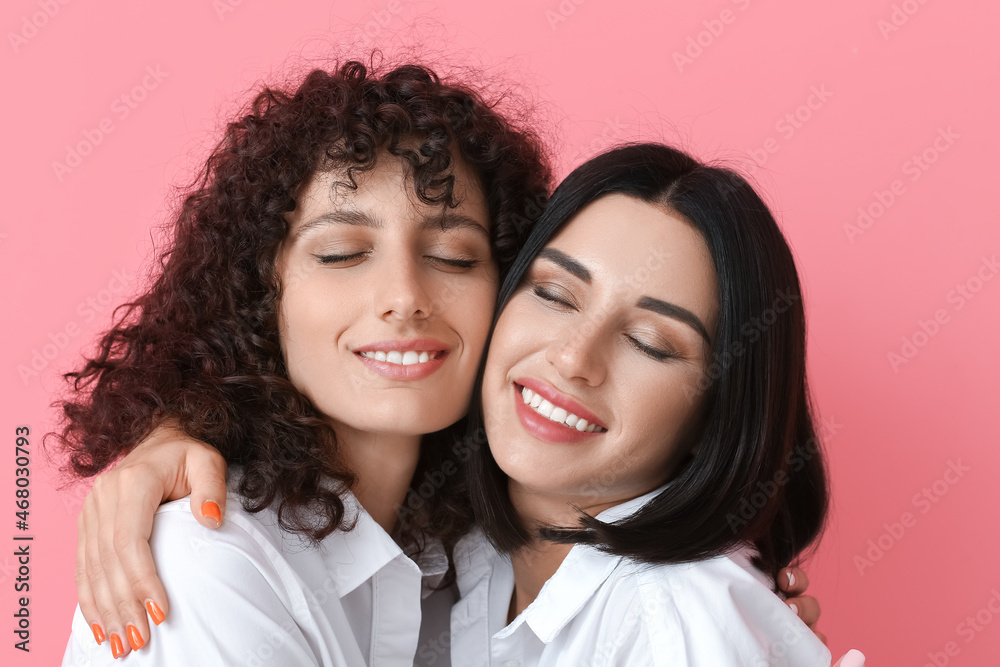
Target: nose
580,353
402,294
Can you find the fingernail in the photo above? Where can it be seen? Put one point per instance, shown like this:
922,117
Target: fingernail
117,650
791,579
134,638
854,658
98,633
210,509
794,608
155,612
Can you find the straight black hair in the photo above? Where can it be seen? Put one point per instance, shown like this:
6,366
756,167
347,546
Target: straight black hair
758,475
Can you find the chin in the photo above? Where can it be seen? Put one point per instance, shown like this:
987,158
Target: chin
407,420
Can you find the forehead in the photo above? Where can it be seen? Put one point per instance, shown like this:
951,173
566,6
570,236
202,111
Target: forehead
638,249
388,186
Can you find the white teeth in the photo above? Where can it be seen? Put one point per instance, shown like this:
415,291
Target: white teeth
558,415
407,358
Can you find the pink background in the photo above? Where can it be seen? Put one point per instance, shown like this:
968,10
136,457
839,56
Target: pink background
886,83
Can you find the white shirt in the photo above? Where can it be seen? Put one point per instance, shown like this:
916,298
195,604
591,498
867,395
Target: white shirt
600,610
252,594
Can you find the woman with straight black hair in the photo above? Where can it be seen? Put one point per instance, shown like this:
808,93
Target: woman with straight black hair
650,433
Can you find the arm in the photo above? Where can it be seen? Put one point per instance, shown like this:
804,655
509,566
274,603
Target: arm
117,584
233,604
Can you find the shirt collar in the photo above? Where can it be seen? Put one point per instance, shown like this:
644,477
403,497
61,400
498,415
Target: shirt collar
356,555
579,576
433,563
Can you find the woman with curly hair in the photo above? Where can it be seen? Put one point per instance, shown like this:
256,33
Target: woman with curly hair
323,306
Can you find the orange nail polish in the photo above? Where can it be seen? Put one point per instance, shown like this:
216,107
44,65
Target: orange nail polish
98,633
117,650
210,509
134,638
155,612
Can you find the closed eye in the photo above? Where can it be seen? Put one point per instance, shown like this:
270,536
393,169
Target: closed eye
341,259
552,297
652,352
457,263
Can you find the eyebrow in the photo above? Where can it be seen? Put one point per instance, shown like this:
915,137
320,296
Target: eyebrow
450,220
354,218
567,263
445,222
676,312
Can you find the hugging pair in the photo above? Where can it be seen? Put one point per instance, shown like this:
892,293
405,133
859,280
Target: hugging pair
453,430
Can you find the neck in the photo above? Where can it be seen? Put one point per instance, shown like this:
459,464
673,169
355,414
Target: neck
537,562
384,465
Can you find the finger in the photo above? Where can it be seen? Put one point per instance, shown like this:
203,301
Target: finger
130,525
206,474
130,611
793,581
852,658
88,607
805,607
98,578
819,634
133,527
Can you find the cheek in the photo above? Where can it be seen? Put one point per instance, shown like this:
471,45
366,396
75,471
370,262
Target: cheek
310,319
663,413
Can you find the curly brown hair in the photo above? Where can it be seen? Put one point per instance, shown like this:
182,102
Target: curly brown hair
201,346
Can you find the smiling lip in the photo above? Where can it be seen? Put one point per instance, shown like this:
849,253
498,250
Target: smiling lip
553,396
546,429
405,373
